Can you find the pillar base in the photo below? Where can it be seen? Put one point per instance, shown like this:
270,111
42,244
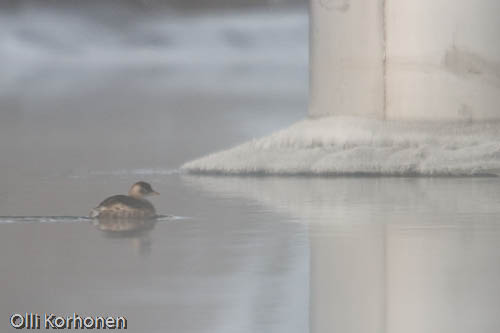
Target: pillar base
334,146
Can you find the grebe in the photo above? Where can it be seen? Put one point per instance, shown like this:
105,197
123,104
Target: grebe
133,205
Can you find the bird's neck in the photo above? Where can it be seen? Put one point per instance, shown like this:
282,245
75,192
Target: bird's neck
136,196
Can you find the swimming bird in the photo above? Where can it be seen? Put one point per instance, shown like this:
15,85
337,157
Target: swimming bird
132,206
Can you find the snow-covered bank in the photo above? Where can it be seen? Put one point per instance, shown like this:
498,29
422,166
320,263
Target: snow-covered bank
358,146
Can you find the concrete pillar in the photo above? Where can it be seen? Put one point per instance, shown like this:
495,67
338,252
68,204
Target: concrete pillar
415,59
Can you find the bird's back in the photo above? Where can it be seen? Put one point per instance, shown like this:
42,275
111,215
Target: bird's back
124,206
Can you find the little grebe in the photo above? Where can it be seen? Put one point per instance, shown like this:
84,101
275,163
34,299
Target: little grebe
133,205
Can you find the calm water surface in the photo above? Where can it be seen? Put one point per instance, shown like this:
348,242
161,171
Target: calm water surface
272,255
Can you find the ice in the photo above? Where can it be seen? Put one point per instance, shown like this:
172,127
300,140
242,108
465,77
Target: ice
360,146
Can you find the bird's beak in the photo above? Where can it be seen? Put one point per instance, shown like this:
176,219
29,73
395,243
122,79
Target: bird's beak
155,193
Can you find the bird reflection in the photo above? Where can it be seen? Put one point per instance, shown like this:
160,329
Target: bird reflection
138,231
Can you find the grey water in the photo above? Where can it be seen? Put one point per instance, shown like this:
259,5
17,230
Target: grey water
270,254
87,108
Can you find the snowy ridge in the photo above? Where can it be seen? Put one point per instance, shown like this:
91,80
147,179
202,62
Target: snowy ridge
358,146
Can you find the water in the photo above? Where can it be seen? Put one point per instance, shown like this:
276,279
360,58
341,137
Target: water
207,272
251,254
273,254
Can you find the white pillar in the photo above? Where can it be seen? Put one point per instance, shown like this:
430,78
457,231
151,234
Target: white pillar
346,55
414,59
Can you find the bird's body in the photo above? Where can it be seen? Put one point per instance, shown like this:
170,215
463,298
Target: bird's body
132,206
124,206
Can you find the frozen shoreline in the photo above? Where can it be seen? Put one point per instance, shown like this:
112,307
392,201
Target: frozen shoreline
356,146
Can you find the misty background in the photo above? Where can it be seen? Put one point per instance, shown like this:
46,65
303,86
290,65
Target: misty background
98,86
193,5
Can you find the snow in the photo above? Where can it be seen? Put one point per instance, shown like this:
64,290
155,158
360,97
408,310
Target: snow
361,146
